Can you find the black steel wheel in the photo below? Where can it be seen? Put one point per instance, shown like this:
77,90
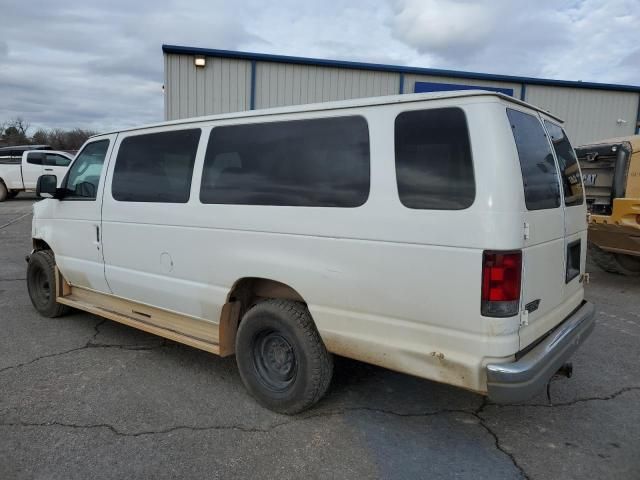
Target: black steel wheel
41,284
281,357
274,360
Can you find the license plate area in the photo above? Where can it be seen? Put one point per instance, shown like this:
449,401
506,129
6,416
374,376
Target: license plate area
573,260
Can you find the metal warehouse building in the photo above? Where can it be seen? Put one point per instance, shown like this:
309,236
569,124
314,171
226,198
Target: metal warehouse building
202,81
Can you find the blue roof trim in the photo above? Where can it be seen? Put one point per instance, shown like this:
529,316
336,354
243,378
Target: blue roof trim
264,57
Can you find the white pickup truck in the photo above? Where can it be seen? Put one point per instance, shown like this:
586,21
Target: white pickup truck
20,172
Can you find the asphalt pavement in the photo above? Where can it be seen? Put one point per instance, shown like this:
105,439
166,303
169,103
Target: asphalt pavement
82,397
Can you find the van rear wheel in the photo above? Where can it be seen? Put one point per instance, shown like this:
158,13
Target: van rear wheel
281,357
41,283
4,193
615,262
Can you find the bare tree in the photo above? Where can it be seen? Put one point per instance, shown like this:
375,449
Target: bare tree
21,125
14,132
40,137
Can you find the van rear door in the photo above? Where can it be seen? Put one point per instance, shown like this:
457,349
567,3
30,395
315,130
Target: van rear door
543,295
575,210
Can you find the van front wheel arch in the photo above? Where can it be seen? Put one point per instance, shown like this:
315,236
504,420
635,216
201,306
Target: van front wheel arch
281,357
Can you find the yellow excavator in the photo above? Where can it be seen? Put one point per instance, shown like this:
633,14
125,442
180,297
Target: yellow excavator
611,176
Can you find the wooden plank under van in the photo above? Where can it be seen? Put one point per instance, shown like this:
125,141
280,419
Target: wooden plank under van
211,337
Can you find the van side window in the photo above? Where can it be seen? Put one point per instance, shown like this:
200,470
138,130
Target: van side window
434,169
84,175
539,174
155,167
568,163
313,163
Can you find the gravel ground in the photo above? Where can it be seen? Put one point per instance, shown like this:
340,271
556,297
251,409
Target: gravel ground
82,397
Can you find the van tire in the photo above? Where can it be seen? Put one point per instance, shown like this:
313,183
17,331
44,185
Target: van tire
281,357
615,262
4,193
41,283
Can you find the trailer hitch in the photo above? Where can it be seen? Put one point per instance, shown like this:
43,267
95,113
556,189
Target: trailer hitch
565,371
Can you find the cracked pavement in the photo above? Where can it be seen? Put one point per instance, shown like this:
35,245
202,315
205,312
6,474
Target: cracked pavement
83,397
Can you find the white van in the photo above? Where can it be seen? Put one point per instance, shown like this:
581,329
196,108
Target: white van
433,234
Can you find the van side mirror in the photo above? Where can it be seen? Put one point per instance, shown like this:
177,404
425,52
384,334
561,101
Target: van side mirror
46,186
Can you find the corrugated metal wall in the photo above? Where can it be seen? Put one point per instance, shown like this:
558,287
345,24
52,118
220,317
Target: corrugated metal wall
225,84
589,115
279,84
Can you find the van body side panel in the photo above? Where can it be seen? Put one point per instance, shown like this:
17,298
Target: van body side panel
401,284
386,284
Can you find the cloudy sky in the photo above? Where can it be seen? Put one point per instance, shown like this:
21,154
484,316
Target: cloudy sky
98,65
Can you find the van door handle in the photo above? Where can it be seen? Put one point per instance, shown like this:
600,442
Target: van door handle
48,169
98,233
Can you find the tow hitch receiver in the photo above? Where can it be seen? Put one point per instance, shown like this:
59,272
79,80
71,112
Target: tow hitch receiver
520,380
566,370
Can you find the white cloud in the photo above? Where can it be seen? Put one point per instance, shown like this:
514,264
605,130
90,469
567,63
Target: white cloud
434,26
565,39
99,65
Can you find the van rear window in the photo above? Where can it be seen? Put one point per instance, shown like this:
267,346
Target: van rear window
539,174
313,163
434,169
568,163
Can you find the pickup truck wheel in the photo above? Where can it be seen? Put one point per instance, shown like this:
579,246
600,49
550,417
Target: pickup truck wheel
41,283
4,193
615,262
281,357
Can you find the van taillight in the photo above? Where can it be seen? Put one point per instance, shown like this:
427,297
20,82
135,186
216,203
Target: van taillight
501,275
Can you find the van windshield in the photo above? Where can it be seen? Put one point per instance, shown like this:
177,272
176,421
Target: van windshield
539,173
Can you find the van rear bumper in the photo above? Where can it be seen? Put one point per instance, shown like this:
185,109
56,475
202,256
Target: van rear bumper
520,380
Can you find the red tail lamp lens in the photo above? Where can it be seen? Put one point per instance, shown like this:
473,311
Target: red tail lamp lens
501,276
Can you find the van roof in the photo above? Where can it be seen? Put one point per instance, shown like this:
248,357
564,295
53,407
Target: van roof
340,104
